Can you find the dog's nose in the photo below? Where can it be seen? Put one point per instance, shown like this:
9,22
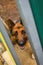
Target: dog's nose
21,43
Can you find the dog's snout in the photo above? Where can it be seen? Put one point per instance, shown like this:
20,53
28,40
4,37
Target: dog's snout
21,43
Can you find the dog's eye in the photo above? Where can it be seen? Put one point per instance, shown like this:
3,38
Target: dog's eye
15,33
23,32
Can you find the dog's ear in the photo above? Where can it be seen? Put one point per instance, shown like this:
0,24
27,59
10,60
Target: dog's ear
20,20
10,23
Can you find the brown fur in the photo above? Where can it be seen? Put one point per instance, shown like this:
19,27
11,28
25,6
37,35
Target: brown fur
18,27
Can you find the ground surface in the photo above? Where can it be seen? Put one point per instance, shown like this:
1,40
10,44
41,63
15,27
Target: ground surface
8,9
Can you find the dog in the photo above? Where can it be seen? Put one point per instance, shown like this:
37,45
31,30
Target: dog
17,31
18,35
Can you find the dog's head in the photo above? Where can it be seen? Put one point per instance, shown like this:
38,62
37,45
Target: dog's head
18,33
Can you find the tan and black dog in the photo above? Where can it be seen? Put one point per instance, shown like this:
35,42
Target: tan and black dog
17,32
18,35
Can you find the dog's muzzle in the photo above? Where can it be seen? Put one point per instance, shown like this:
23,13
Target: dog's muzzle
21,43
